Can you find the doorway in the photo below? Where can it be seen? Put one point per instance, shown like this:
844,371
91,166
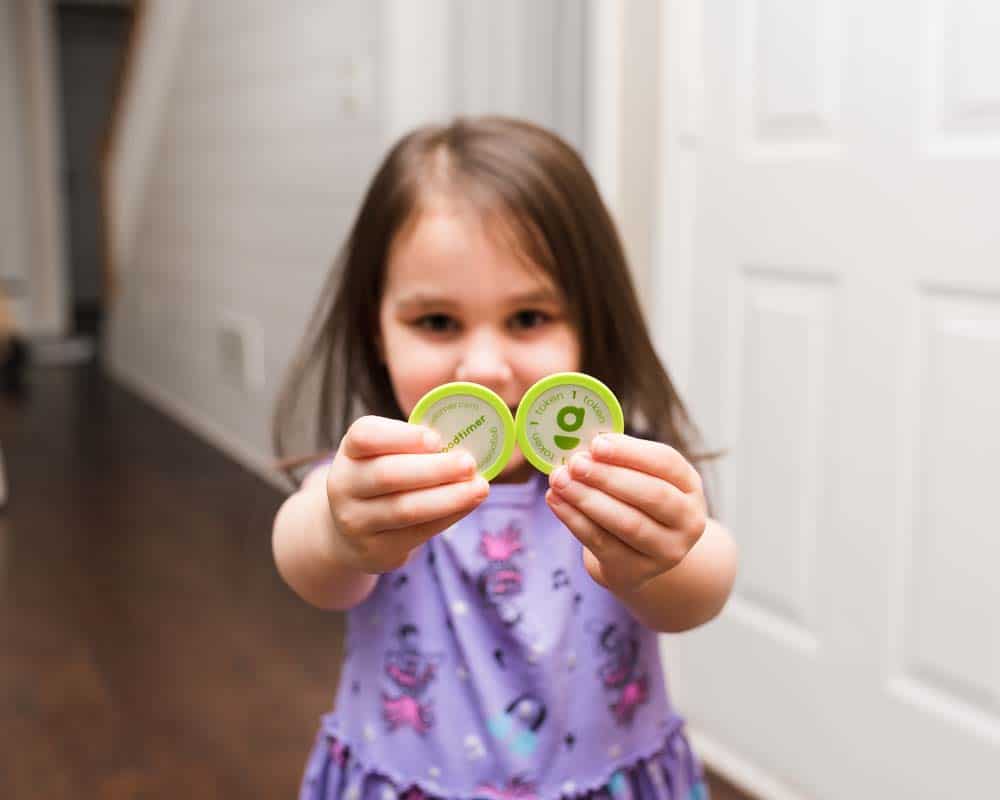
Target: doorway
92,39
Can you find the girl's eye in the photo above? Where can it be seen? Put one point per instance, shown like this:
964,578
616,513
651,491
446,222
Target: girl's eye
530,319
436,323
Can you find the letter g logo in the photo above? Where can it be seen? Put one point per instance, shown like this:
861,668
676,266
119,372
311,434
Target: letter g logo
563,419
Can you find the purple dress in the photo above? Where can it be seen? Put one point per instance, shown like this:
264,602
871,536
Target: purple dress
492,666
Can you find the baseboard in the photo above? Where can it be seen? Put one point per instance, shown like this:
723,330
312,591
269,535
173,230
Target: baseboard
738,771
24,321
196,422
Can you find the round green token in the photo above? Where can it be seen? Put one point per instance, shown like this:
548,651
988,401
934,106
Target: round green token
562,414
472,417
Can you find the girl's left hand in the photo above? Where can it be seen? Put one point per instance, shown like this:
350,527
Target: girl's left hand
637,506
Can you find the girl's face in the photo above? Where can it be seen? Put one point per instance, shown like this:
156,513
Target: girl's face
458,308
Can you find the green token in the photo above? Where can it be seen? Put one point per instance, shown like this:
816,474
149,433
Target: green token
561,414
472,417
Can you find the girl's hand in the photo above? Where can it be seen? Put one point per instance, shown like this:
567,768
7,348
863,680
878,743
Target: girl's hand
637,507
390,489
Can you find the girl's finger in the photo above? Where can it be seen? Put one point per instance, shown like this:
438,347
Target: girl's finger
406,509
605,546
634,528
396,473
658,498
653,458
412,538
372,436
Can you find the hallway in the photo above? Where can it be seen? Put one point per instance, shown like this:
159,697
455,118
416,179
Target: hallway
150,650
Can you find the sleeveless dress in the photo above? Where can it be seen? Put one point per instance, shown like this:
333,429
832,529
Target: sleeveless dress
492,666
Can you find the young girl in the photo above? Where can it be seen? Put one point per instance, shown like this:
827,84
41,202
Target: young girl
501,638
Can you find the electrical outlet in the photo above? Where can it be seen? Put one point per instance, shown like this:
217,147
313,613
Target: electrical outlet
237,351
353,85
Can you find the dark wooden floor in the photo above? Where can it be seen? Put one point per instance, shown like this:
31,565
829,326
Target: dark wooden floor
148,648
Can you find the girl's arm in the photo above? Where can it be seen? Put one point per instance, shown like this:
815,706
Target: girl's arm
303,541
387,491
693,592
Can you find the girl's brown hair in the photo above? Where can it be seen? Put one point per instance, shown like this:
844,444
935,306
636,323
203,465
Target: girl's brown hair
534,192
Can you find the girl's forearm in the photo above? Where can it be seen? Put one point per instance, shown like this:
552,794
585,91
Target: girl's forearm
694,591
306,556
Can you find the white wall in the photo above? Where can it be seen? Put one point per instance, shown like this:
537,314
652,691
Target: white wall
262,149
274,120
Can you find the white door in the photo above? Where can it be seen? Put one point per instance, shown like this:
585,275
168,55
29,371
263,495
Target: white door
844,306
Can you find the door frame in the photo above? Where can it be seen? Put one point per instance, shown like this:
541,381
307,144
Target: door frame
49,312
680,101
48,286
110,147
603,107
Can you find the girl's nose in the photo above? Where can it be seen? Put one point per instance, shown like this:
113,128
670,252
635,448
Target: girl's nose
484,361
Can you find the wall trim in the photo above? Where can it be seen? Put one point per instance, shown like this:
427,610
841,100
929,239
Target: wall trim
415,81
672,276
602,100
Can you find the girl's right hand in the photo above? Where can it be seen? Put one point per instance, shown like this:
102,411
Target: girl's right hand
390,489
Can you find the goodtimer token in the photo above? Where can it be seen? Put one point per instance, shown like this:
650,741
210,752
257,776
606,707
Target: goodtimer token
472,417
562,414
